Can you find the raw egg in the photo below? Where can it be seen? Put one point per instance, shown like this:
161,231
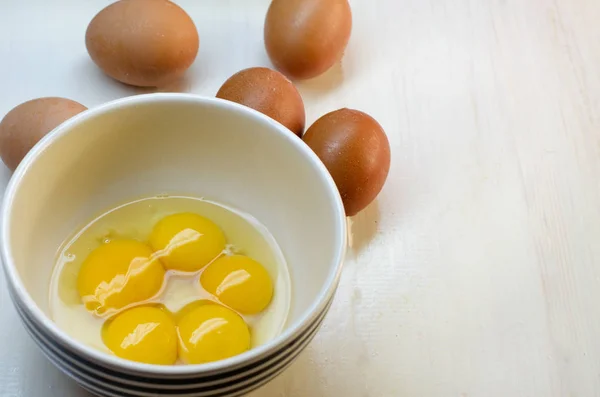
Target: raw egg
144,43
304,38
239,282
118,274
211,332
356,151
186,241
269,92
145,334
103,295
27,123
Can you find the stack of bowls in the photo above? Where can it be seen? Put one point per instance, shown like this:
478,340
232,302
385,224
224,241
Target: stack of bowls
172,144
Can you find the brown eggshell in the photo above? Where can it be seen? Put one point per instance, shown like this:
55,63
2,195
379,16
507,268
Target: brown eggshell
356,151
304,38
269,92
27,123
146,43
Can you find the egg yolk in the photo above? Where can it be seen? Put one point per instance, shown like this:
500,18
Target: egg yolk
211,332
145,334
117,274
239,282
186,241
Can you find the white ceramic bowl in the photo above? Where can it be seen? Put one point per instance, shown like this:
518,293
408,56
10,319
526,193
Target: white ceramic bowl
172,143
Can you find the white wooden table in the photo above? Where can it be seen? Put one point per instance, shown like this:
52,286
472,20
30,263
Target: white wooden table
477,272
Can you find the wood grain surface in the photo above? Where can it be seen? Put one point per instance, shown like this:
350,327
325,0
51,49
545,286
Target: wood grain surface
477,271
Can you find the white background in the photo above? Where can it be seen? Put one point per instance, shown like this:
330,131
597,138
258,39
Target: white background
477,272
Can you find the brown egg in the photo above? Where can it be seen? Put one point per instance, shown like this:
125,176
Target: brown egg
146,43
304,38
26,124
269,92
356,151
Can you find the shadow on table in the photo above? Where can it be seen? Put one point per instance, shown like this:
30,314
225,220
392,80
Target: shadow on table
363,227
97,84
302,378
318,86
52,382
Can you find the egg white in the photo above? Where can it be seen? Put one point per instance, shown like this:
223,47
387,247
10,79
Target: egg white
135,220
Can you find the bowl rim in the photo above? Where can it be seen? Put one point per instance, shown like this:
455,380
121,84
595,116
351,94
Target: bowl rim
56,334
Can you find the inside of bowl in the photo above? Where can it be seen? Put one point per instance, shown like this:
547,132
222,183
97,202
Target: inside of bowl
163,145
